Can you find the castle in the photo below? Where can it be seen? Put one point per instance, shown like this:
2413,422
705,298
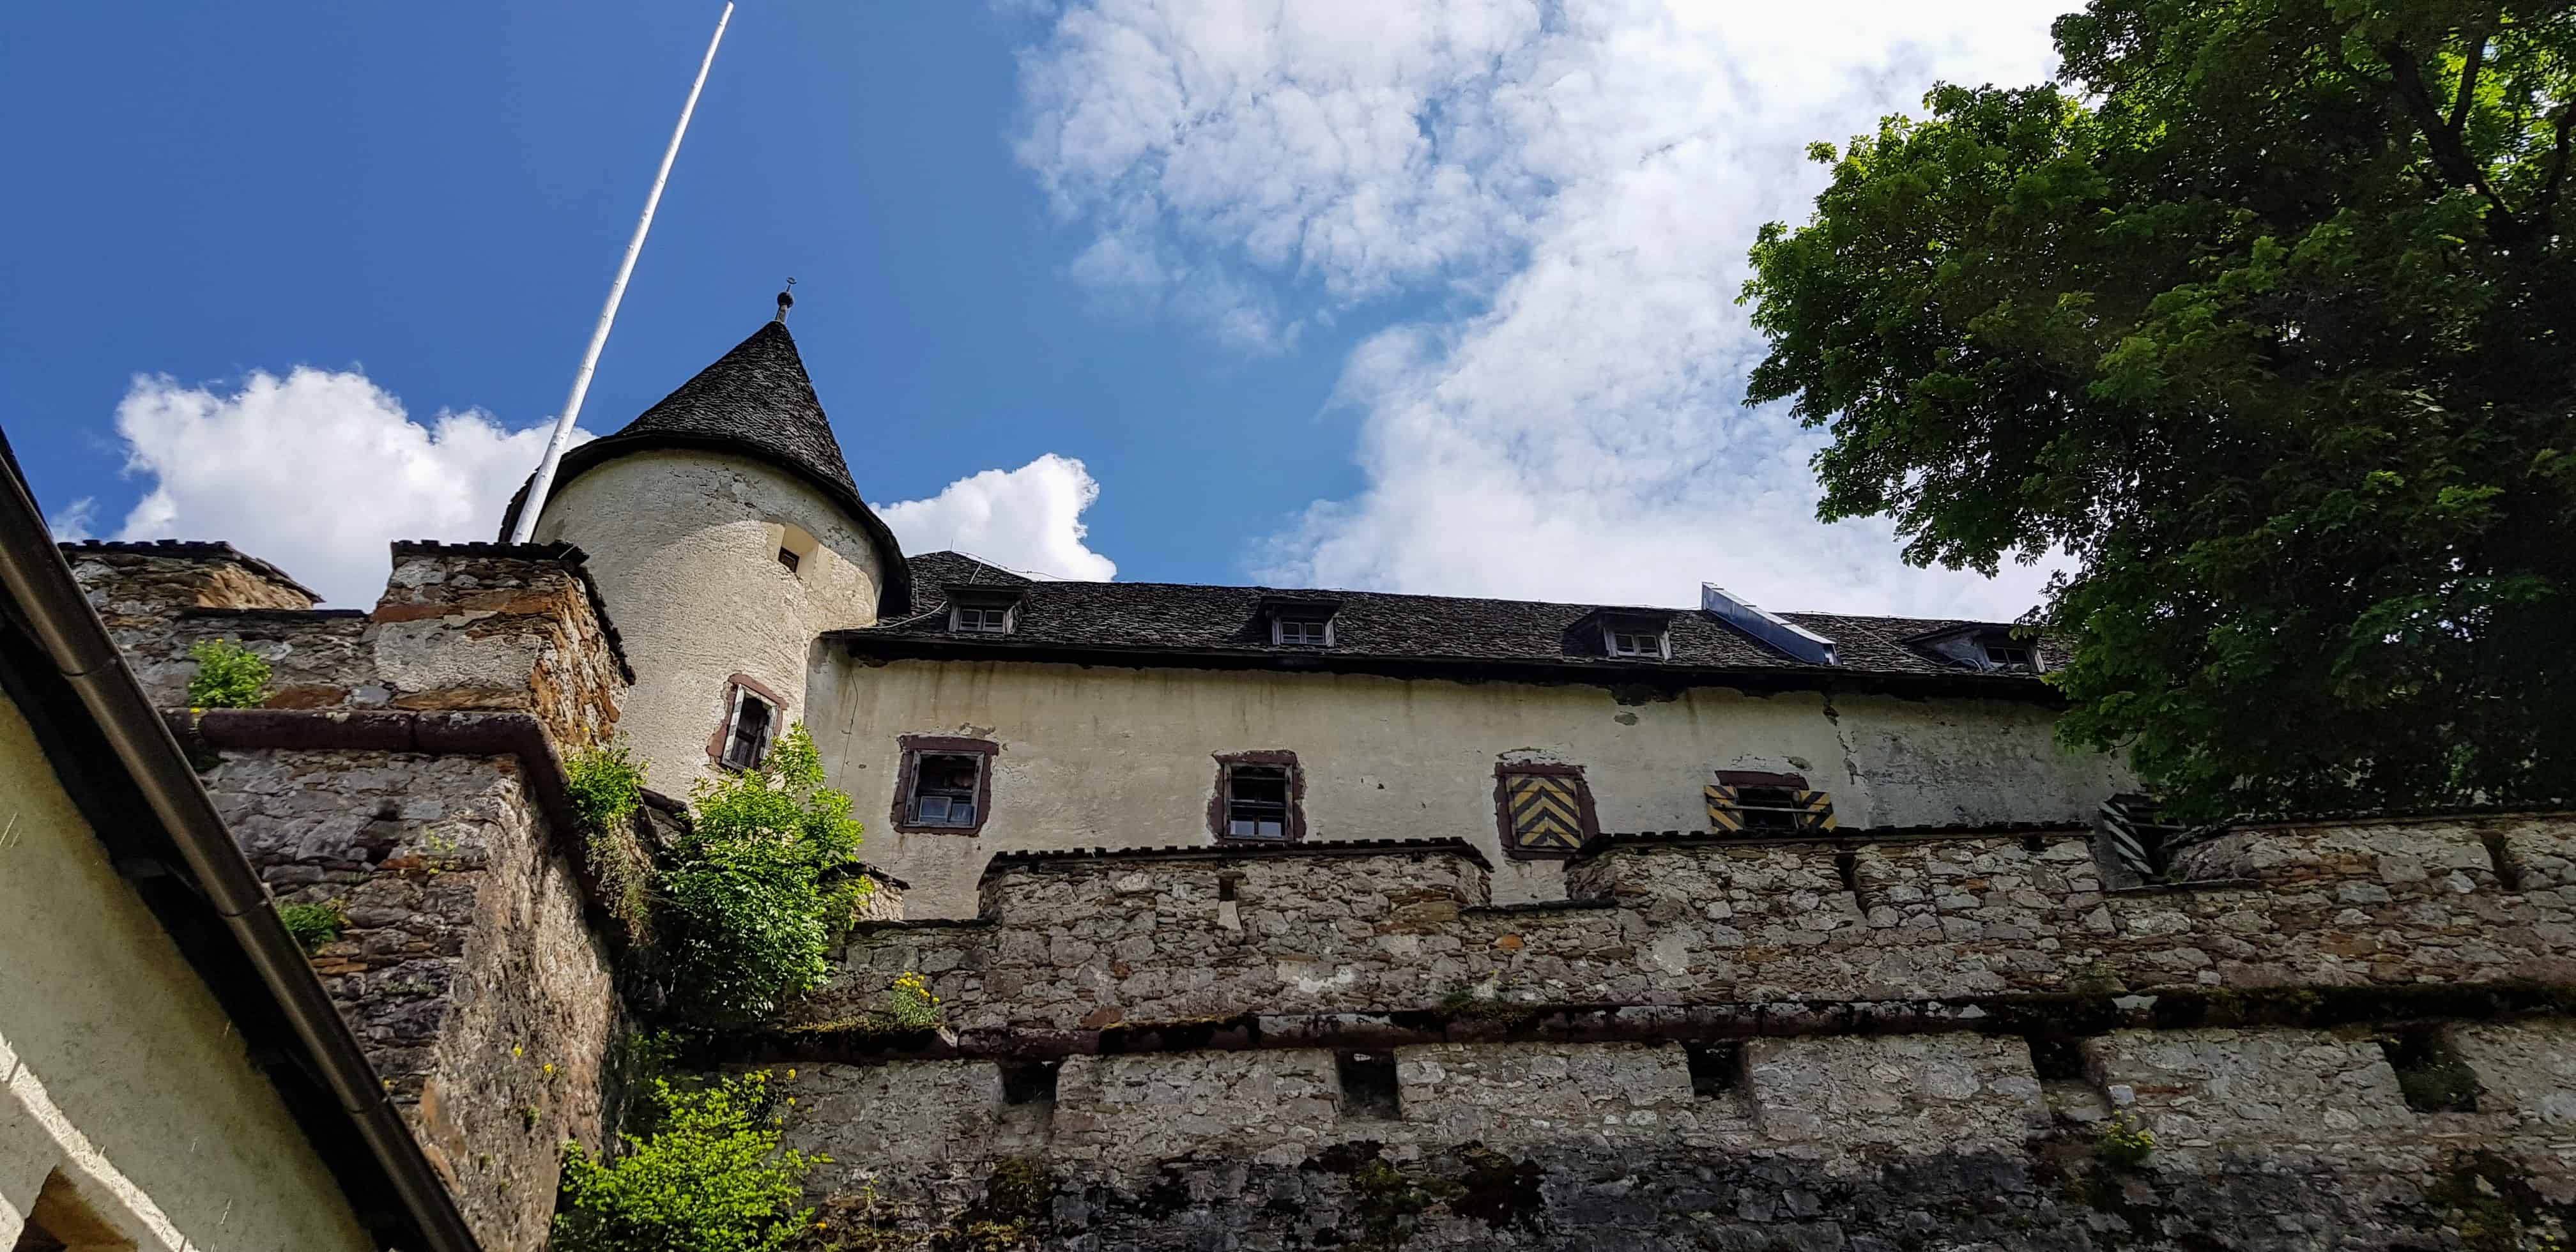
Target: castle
1292,918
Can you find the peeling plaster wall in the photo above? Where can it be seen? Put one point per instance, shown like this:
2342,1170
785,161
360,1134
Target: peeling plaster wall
1122,758
117,1066
684,546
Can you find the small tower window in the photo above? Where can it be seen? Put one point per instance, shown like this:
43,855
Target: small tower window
1257,798
946,785
796,546
750,723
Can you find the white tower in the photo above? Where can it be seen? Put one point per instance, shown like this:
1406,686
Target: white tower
725,534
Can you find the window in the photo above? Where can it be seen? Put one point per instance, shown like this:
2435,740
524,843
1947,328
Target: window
1751,802
2012,656
795,546
1636,643
1716,1069
1313,632
945,785
751,721
788,558
61,1219
1257,798
1256,803
1369,1090
981,619
1543,810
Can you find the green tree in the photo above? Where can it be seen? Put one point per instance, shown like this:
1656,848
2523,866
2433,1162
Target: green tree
759,885
2265,318
709,1177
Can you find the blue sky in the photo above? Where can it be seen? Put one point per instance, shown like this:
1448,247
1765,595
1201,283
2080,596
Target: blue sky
1414,294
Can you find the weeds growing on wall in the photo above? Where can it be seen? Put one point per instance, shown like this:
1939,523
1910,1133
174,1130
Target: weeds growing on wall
710,1177
313,925
607,785
229,676
2125,1144
759,886
910,1003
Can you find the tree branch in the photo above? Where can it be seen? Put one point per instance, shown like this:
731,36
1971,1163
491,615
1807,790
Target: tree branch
2477,56
2450,154
2548,207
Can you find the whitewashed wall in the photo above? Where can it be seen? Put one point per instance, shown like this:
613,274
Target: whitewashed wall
1123,757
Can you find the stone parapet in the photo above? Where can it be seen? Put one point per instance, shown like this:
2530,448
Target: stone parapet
1073,944
485,627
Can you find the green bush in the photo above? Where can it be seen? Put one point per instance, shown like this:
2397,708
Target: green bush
229,676
711,1177
313,925
755,887
606,785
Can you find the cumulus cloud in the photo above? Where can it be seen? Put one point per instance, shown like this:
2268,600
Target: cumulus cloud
1588,175
1028,519
316,472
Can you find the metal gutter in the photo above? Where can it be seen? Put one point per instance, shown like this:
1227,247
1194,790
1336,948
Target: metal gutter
71,635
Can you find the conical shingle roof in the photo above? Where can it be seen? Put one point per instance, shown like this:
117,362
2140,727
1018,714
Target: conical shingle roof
756,401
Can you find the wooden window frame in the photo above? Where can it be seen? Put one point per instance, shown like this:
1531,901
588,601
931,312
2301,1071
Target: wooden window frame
1817,818
1587,819
1219,801
957,615
1279,631
735,685
909,773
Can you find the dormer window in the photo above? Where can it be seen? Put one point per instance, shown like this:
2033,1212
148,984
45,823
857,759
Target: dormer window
1989,649
1312,632
983,610
1294,622
1637,643
2011,656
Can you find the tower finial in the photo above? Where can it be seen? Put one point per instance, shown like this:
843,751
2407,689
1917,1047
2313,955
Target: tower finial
786,301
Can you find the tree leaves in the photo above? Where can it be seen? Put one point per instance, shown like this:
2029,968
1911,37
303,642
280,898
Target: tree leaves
2265,318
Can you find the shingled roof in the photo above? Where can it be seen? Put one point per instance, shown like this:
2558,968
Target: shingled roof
756,401
1378,632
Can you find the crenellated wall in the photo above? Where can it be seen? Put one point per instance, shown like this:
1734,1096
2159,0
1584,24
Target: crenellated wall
1075,944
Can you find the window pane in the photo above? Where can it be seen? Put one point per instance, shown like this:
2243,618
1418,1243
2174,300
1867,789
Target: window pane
931,808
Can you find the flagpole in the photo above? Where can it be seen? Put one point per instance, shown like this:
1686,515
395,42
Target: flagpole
544,480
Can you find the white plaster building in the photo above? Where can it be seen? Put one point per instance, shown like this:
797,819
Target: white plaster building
971,710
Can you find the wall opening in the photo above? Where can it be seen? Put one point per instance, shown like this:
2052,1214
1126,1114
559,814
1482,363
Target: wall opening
1369,1090
2057,1058
1847,866
1228,886
1716,1069
2432,1076
1029,1082
795,548
60,1221
2508,871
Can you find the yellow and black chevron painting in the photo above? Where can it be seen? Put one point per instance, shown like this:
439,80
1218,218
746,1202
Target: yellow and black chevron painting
1546,811
1740,810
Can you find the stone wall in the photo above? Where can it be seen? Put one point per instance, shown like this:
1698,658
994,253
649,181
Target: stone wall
1072,944
2272,1139
485,627
468,968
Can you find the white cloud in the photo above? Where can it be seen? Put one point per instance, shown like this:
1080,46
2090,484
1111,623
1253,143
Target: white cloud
73,523
1590,174
317,472
1028,519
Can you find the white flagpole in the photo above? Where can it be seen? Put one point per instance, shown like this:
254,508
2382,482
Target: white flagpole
544,481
